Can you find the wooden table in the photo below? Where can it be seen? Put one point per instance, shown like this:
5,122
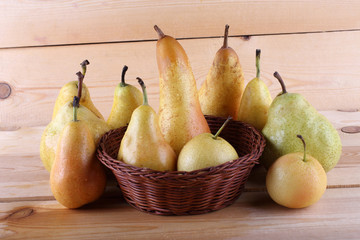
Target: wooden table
313,44
28,209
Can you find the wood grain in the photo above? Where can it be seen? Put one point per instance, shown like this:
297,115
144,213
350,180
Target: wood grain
311,64
39,23
252,216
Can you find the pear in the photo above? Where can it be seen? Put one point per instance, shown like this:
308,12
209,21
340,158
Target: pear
180,114
77,177
290,114
221,92
206,150
256,100
51,134
296,180
143,144
126,99
71,89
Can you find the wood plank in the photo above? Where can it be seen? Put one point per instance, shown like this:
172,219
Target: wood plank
34,23
252,216
311,64
23,176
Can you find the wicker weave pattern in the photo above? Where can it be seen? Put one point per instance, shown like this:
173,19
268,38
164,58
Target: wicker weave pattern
184,193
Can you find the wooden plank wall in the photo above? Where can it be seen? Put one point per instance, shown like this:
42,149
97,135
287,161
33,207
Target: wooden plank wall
315,45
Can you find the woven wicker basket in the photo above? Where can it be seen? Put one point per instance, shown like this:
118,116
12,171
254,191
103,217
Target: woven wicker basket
185,193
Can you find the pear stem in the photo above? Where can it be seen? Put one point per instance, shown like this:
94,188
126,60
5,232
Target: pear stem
303,141
80,82
222,127
143,87
83,65
226,36
159,32
123,84
258,52
277,75
75,107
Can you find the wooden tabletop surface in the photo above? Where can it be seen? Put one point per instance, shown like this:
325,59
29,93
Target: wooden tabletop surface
28,210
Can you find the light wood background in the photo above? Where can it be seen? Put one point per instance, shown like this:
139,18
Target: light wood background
315,46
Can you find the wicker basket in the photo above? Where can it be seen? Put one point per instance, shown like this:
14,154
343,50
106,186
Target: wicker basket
185,193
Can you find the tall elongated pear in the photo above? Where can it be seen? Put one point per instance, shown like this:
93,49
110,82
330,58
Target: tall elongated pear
180,113
143,144
256,100
290,114
126,99
76,88
221,92
77,177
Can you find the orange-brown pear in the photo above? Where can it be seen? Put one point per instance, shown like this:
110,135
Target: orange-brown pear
221,92
77,177
180,114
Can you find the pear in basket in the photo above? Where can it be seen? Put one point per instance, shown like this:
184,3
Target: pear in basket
221,92
206,150
290,114
126,98
77,177
256,100
51,134
180,114
71,89
143,144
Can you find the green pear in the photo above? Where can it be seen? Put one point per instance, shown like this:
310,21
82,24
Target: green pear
206,150
126,99
77,176
76,88
290,114
143,144
255,101
221,92
51,134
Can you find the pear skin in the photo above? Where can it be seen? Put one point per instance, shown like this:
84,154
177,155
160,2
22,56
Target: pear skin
180,114
221,92
290,114
126,99
51,134
77,177
71,89
143,144
206,150
255,101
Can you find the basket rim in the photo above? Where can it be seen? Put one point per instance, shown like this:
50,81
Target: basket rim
108,160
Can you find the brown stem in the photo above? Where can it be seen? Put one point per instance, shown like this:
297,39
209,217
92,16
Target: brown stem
160,33
83,65
143,87
75,107
303,141
221,128
123,84
80,82
277,75
226,35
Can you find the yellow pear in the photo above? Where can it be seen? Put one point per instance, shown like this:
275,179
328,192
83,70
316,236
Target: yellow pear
126,99
206,150
255,101
77,177
180,113
76,88
143,144
51,134
296,180
221,92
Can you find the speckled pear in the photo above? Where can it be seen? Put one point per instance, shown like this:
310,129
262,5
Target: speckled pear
71,89
221,92
143,144
126,99
290,114
180,114
255,101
